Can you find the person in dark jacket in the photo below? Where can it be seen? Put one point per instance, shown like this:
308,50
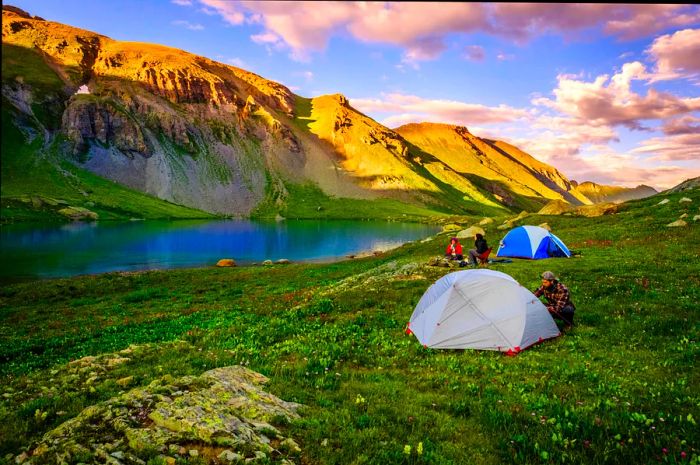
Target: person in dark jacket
480,246
454,250
558,298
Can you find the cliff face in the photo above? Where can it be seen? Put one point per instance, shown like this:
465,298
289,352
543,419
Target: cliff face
214,137
181,127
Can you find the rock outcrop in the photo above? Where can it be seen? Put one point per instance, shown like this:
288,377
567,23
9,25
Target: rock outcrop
222,414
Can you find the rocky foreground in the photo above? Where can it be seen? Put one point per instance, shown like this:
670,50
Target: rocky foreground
223,416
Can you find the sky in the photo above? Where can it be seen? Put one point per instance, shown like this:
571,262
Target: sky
608,93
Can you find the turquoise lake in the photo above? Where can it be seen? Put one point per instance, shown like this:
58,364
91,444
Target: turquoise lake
47,251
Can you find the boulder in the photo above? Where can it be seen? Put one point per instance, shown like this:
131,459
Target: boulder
228,456
677,223
267,262
439,261
78,213
545,226
226,262
556,207
279,218
522,215
684,200
506,225
684,215
225,408
283,261
451,227
598,209
696,218
470,232
485,221
663,202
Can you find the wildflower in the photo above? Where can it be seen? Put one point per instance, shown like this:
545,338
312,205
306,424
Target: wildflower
407,449
359,399
419,449
664,450
683,455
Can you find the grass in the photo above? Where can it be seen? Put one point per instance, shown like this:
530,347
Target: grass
621,387
309,201
21,64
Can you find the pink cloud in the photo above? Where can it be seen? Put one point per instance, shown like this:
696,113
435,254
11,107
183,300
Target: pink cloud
474,53
230,11
411,108
420,28
677,54
687,124
266,38
602,165
610,101
571,20
676,147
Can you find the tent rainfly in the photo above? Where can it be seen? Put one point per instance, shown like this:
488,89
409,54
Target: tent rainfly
480,309
531,242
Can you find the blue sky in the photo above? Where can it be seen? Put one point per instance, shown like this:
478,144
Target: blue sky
607,93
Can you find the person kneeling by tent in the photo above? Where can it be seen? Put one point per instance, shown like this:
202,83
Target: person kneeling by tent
558,298
454,250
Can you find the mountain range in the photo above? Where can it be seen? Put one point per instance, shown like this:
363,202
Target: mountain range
135,129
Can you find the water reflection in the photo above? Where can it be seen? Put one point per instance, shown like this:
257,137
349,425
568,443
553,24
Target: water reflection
29,251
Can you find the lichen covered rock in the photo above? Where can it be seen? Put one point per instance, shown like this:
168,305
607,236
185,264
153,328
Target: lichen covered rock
222,415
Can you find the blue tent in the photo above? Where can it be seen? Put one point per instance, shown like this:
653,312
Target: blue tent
531,242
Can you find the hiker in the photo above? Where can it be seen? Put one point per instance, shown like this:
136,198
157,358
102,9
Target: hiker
454,250
480,246
558,298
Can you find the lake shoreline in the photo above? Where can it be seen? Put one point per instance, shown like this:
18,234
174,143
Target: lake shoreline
85,249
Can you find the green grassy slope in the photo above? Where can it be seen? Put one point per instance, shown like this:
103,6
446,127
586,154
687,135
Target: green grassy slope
621,387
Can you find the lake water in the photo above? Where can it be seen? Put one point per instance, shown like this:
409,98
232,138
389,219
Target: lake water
41,251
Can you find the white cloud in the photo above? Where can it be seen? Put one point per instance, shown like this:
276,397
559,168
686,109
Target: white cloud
188,25
235,61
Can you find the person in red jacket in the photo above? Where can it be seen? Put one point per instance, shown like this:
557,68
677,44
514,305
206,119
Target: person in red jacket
454,250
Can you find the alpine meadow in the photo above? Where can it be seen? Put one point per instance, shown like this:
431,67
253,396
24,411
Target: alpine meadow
200,265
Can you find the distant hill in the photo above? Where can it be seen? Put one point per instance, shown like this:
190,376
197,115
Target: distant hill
598,193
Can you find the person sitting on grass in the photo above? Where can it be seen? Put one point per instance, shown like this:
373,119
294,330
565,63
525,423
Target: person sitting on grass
558,298
480,246
454,250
